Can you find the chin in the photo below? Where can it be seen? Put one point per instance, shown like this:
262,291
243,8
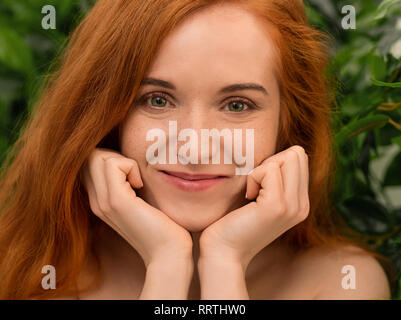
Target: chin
192,216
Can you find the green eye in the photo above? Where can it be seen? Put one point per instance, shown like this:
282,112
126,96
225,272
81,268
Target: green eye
159,102
236,106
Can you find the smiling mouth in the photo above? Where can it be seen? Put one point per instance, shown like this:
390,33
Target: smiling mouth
192,182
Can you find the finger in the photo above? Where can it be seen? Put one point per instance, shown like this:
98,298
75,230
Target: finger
304,177
96,171
268,177
305,180
95,209
94,204
252,185
254,178
133,175
278,157
291,178
116,172
93,201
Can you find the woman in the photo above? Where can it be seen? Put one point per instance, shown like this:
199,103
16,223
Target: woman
82,194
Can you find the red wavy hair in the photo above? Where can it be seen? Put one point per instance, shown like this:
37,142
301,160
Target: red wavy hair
45,215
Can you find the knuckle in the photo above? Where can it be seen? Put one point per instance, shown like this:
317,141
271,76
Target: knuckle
133,162
111,162
298,148
93,155
92,160
271,165
292,154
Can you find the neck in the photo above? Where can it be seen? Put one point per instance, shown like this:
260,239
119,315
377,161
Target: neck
118,254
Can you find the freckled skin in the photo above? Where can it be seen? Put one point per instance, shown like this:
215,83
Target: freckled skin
210,50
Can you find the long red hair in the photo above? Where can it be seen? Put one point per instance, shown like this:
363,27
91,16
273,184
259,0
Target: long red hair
45,216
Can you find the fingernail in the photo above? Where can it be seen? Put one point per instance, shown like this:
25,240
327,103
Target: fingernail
246,195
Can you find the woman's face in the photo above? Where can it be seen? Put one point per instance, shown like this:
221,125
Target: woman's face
211,50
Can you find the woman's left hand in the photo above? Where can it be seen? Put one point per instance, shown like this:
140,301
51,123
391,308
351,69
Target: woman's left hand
280,187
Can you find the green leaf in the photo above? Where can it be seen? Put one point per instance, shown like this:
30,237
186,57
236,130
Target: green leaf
393,173
364,157
14,53
366,215
386,84
64,7
360,125
384,7
377,66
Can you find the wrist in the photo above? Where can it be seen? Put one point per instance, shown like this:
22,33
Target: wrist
172,256
222,279
168,279
169,265
222,258
210,263
210,252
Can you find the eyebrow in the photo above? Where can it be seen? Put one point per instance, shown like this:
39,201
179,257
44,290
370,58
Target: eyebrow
230,88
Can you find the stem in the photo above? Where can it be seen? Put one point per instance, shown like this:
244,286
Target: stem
389,106
394,124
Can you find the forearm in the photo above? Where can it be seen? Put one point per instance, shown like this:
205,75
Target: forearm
222,280
167,281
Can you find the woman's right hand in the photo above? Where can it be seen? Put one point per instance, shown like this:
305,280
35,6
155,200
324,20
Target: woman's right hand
110,179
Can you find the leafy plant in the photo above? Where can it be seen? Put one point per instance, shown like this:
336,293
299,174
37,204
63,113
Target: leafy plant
26,52
367,64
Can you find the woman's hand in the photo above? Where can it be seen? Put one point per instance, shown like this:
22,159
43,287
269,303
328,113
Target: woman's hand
110,179
280,187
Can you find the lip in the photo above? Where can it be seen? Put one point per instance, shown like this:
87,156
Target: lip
192,182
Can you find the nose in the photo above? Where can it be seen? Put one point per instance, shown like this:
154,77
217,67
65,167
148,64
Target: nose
199,138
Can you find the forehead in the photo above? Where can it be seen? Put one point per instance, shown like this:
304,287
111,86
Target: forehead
219,42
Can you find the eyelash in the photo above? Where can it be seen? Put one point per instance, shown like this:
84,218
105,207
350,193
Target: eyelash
164,95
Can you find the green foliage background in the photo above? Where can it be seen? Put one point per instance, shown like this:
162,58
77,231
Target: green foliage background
367,120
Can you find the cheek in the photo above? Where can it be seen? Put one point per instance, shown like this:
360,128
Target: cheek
265,142
133,139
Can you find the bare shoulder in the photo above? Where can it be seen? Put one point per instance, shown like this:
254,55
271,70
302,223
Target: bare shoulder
347,272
